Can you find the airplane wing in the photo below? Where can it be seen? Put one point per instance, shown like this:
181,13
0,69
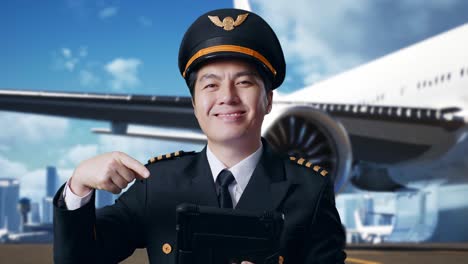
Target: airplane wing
160,111
408,131
372,129
378,134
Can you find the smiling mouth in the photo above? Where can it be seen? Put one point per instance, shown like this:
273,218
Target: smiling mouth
230,114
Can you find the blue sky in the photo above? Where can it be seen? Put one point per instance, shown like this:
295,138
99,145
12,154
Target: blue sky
132,47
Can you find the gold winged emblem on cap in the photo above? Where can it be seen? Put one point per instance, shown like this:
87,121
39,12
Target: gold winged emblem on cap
228,23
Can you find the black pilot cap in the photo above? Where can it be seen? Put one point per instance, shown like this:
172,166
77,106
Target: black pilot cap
232,33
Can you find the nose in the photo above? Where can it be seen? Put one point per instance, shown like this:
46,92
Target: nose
228,94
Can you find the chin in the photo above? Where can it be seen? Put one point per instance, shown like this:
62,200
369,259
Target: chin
229,136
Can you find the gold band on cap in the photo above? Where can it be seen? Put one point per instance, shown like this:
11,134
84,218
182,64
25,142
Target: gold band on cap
231,48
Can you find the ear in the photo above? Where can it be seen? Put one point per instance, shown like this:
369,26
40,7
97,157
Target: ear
269,101
194,108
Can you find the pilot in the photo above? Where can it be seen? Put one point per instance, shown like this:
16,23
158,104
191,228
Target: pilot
231,61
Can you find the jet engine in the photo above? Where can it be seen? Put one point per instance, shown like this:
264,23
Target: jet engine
311,134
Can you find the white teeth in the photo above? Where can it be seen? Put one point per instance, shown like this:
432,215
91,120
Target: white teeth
234,114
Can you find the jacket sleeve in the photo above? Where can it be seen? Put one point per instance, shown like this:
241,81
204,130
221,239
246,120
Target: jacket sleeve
106,235
326,235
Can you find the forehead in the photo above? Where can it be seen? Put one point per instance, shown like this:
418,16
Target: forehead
222,67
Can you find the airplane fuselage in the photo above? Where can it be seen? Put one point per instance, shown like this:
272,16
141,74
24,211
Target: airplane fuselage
432,73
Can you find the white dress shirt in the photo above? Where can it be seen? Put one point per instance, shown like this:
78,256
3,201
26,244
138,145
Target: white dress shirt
242,173
74,201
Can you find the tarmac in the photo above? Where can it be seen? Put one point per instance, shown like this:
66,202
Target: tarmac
357,254
407,253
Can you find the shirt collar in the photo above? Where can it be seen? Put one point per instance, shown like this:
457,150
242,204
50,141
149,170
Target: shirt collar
242,171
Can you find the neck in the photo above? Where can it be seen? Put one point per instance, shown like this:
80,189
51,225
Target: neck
231,153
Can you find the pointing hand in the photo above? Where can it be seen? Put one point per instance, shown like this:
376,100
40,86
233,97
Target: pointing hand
111,171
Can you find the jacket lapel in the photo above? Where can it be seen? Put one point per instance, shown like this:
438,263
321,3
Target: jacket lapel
268,185
202,187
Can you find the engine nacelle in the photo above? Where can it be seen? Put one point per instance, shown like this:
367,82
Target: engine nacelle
309,133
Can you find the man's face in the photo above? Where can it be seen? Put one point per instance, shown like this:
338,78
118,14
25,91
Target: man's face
230,101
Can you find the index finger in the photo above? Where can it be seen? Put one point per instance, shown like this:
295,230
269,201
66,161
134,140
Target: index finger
134,165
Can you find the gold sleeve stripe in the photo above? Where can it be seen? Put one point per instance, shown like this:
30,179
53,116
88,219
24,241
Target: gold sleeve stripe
316,168
324,172
301,161
229,48
308,164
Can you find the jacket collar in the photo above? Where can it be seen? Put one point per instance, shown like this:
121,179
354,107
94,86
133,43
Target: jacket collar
268,185
266,189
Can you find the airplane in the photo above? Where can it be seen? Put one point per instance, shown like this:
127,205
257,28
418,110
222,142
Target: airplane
364,125
374,234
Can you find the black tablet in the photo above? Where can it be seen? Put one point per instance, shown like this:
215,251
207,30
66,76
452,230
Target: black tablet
224,236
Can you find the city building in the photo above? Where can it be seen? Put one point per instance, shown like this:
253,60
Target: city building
52,181
9,196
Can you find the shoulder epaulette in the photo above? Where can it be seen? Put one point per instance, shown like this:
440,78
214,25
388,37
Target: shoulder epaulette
308,164
169,156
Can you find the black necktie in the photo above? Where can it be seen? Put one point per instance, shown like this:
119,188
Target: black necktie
224,197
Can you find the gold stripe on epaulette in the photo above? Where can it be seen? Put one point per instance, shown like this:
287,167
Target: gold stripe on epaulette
168,156
308,164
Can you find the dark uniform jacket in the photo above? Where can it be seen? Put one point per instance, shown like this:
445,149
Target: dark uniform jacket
144,216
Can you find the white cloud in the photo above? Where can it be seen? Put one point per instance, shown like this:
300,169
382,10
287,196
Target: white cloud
108,12
65,59
33,183
66,53
70,64
77,154
11,169
32,128
88,79
145,21
68,60
124,72
322,38
305,29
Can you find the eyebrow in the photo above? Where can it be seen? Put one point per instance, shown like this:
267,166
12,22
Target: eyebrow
237,75
246,73
209,76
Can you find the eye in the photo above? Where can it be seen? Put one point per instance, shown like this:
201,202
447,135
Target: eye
244,83
210,85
